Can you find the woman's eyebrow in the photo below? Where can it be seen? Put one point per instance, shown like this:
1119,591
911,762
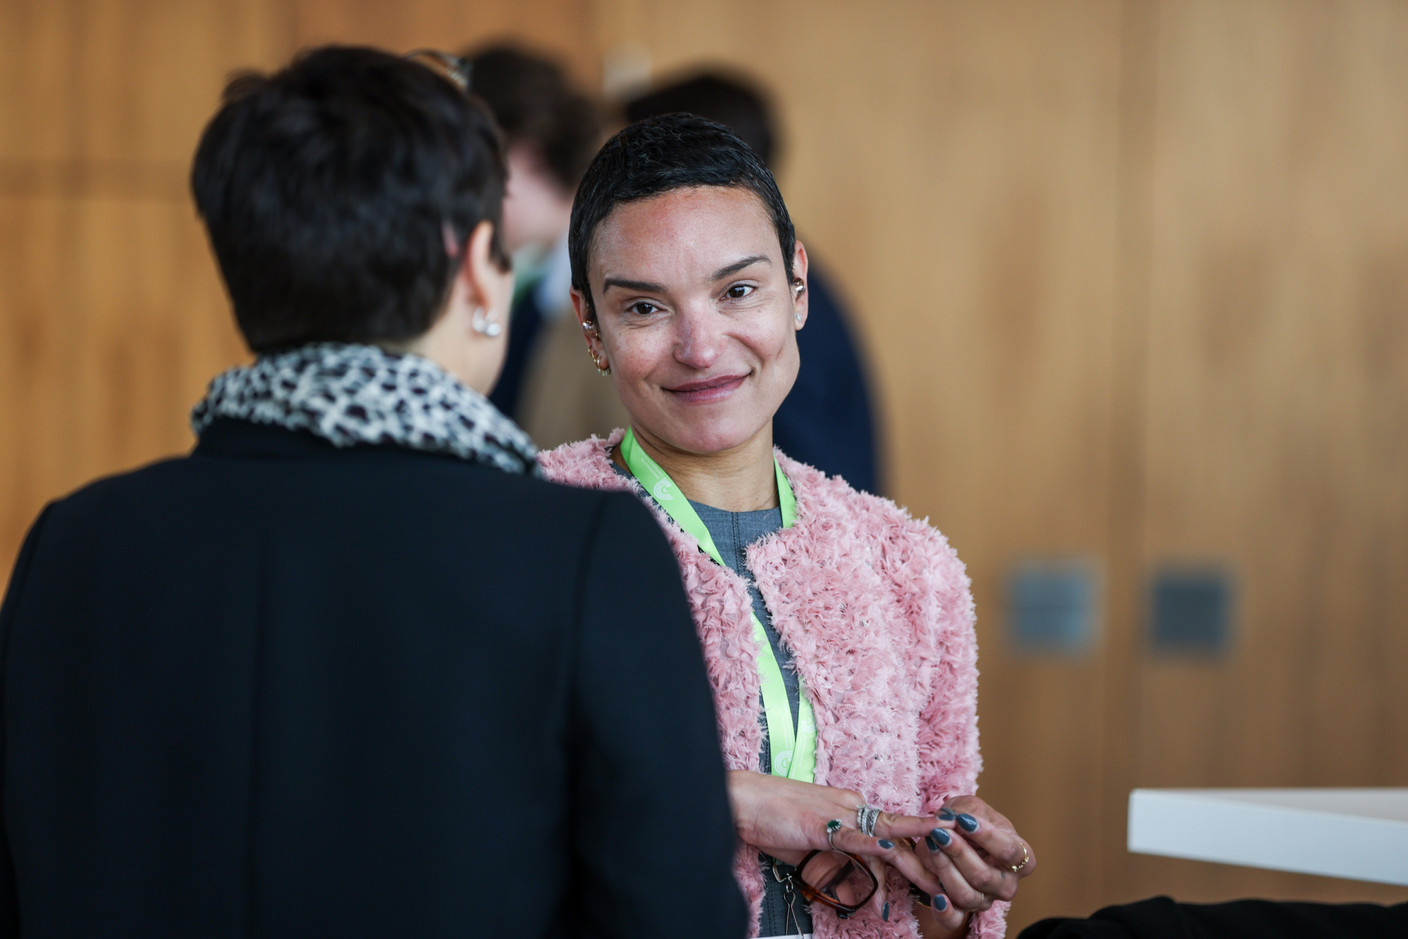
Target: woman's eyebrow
643,286
737,266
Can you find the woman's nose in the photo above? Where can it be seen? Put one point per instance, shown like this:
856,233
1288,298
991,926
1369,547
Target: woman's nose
699,337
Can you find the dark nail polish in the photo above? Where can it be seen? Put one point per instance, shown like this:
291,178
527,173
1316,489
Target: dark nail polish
940,902
933,845
945,815
967,822
885,844
941,836
885,913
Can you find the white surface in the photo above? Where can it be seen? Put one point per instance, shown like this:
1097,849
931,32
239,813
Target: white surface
1360,834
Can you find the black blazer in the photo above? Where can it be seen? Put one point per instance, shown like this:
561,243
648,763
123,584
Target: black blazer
279,689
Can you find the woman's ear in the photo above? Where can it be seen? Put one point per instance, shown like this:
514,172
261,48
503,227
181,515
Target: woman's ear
591,331
489,286
800,298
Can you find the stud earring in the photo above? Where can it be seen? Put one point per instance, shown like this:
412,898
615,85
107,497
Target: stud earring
484,325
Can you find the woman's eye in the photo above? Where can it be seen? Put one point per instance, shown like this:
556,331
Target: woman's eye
642,308
739,291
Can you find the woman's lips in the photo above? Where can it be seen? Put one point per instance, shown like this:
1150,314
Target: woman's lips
706,390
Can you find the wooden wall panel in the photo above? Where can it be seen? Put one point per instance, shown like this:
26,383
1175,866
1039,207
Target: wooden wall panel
116,85
561,27
1277,396
114,321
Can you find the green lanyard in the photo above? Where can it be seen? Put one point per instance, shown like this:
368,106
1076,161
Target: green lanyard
793,752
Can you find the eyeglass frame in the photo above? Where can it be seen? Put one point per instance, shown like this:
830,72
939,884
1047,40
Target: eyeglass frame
453,68
791,880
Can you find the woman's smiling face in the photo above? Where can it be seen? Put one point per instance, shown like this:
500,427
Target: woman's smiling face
696,316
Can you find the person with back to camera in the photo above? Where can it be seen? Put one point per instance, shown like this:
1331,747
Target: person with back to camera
838,631
352,668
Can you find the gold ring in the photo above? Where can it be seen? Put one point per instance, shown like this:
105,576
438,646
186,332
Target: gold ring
1026,858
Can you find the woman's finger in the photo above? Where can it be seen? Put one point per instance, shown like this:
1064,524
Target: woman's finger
973,872
940,910
896,854
957,885
992,835
898,827
880,903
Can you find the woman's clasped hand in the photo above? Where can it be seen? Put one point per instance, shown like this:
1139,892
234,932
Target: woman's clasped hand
958,862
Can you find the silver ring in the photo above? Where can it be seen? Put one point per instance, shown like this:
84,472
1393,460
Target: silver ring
832,827
865,819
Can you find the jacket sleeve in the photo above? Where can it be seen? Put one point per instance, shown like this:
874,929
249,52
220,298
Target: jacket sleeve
9,612
828,418
651,827
948,726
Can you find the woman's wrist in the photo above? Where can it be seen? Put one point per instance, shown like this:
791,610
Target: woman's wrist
741,802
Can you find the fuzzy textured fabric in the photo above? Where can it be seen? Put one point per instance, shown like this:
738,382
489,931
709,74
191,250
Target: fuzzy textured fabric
877,610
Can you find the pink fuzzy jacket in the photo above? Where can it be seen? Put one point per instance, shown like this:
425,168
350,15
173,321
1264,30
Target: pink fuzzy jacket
876,609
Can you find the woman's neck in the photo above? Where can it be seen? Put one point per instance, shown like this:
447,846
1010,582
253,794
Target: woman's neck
741,479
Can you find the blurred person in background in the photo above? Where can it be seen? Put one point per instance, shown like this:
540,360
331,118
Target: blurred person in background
829,419
352,668
837,630
551,131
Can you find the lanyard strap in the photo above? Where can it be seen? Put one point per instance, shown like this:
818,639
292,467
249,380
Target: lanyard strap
793,751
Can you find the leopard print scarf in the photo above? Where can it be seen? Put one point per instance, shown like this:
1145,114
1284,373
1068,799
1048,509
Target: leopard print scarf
356,394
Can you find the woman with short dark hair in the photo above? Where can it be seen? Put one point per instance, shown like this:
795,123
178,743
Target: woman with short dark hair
837,630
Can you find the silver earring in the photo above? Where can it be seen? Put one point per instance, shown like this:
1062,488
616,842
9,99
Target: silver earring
482,324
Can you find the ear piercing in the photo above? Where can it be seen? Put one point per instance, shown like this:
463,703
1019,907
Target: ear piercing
483,324
602,367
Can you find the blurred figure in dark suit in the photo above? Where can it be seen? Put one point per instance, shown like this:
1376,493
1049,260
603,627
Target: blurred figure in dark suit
551,132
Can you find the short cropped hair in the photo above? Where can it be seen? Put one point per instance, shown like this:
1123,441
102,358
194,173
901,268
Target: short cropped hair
660,155
722,96
327,189
535,103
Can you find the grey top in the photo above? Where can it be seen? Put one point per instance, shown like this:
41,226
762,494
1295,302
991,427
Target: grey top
733,532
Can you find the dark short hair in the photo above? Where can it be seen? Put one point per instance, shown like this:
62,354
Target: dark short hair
721,96
536,104
326,188
659,155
